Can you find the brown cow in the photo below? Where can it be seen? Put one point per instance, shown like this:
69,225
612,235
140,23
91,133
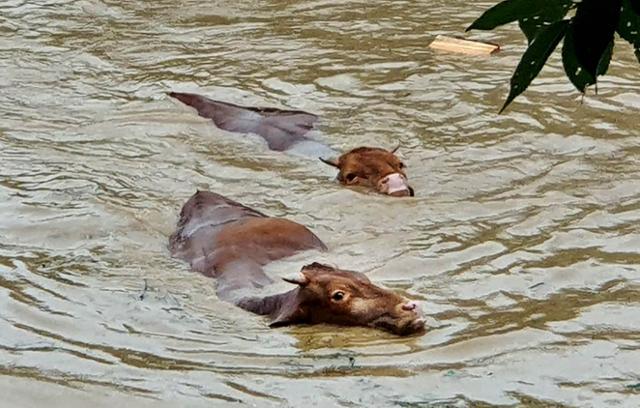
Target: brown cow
373,167
224,239
286,130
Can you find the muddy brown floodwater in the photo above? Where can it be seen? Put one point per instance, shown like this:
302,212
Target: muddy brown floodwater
522,240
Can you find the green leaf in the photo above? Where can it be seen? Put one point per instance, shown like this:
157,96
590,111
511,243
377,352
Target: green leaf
603,64
629,24
535,57
551,13
509,11
593,28
576,74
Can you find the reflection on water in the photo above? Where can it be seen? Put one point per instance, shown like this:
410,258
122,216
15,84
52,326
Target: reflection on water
522,240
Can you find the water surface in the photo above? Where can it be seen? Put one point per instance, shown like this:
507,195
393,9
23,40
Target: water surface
521,242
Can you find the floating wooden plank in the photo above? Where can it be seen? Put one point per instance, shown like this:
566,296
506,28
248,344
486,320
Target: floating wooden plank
460,45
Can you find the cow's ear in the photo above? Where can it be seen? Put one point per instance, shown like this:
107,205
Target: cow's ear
292,309
291,313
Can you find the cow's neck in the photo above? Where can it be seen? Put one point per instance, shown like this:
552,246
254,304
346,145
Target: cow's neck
237,281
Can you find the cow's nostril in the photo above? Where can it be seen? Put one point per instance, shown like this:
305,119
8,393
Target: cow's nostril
384,180
409,306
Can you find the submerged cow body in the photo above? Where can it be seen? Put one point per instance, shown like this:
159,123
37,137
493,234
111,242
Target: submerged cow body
231,242
287,130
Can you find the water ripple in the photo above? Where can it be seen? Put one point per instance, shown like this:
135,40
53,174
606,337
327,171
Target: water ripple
521,243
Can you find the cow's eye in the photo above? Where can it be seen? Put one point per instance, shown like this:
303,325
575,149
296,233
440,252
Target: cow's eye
401,165
350,177
337,296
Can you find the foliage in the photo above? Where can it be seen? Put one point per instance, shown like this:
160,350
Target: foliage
588,36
